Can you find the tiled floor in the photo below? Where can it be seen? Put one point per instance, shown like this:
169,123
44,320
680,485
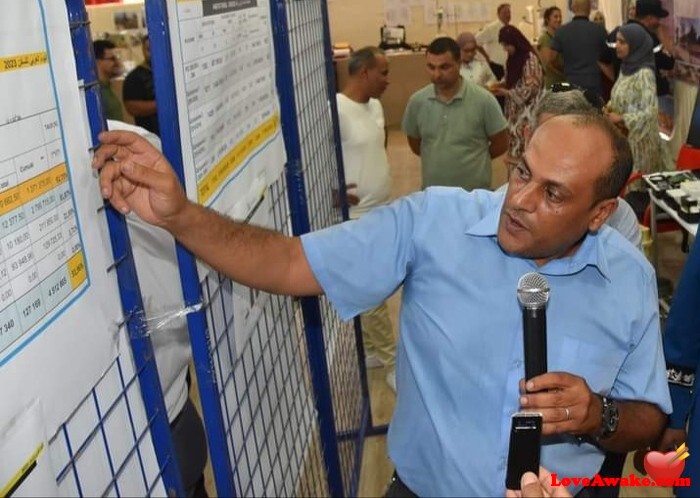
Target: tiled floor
405,167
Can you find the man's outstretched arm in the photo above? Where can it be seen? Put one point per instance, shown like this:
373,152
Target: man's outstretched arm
134,176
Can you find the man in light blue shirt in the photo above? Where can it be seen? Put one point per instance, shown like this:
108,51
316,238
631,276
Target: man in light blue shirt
459,256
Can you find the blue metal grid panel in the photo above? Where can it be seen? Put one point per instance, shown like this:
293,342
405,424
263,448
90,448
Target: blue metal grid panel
309,48
262,371
105,446
117,440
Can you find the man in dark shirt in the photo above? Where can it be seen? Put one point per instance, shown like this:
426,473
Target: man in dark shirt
582,45
649,13
139,93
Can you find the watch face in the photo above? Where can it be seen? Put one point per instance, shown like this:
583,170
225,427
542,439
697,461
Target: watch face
610,415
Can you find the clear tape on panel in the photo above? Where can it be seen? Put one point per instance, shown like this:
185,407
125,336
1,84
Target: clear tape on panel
160,322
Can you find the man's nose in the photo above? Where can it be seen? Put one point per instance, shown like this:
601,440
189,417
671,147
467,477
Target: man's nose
526,197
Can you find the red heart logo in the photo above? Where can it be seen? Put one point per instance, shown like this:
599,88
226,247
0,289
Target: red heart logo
661,467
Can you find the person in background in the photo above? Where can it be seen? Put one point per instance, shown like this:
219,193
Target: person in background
456,127
583,48
648,14
161,292
553,65
473,69
367,176
524,83
488,44
599,18
108,66
682,349
460,254
633,105
139,93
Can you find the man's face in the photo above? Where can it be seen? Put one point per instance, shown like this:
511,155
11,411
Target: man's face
504,14
443,69
109,64
652,23
549,205
468,52
378,76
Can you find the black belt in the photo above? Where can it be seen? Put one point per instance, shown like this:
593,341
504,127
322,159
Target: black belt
397,489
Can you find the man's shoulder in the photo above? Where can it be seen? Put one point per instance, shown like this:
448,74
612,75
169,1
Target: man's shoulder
139,72
621,253
422,95
465,207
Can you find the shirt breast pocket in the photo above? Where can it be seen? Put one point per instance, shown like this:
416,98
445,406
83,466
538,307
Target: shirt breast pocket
599,365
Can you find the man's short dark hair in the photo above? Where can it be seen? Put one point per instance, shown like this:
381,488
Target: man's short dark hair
100,46
610,183
561,104
501,7
443,45
364,58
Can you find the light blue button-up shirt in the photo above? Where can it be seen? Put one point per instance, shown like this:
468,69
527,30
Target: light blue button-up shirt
460,353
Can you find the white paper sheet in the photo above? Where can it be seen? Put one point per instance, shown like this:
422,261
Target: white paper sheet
57,302
25,466
228,107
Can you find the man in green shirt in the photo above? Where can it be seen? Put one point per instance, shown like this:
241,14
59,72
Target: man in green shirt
455,126
108,66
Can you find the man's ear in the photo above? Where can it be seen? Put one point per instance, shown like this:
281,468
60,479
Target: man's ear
601,212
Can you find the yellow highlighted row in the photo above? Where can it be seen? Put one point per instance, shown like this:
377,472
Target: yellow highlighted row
76,269
25,192
23,61
234,158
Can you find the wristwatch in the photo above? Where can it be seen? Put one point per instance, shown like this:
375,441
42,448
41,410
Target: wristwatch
609,417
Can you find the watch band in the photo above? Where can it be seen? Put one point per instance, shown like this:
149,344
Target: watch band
609,417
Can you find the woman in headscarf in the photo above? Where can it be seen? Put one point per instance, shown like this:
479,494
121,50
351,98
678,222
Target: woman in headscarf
633,104
473,69
554,69
522,89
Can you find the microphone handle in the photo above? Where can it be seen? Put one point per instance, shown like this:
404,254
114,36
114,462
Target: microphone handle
535,341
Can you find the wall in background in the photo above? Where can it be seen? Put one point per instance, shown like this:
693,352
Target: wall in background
358,21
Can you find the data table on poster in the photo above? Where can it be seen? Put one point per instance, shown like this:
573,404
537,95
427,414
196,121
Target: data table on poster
227,71
41,257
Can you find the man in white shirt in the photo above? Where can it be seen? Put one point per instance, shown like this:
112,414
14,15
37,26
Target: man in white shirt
472,69
487,40
367,176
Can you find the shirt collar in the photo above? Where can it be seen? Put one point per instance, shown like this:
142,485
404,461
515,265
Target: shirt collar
457,96
590,252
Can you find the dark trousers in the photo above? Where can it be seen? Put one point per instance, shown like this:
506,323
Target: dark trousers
397,489
612,467
190,444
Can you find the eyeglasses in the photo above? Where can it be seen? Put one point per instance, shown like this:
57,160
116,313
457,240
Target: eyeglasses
114,58
564,87
595,100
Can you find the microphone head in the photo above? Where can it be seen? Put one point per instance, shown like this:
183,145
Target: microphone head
533,290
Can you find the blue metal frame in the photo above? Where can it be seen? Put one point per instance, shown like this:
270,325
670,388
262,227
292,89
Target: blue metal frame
159,37
300,225
129,290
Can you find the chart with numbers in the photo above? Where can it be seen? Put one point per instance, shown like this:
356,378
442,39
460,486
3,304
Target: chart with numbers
41,257
59,304
227,100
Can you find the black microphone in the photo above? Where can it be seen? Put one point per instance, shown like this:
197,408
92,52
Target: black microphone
533,294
